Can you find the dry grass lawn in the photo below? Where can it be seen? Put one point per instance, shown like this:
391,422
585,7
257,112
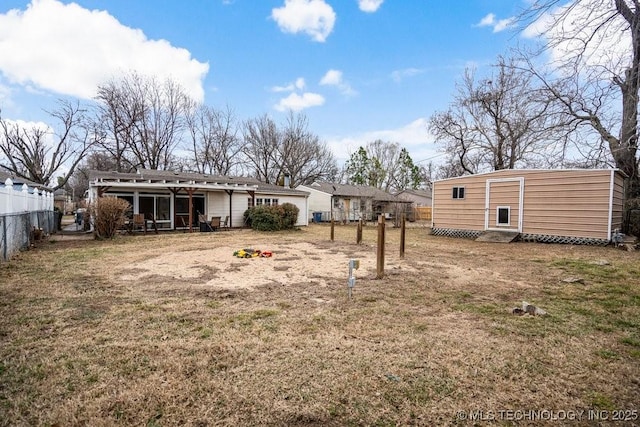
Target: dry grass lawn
173,330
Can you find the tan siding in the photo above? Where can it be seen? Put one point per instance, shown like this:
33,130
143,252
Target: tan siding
571,203
504,194
618,203
463,214
567,203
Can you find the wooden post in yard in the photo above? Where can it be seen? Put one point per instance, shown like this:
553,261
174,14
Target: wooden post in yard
332,229
380,251
402,234
359,232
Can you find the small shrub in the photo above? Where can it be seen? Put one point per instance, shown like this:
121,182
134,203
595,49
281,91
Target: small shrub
290,215
266,218
109,215
272,218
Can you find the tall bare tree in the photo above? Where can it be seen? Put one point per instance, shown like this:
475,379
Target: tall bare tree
291,149
261,141
595,50
143,120
40,153
501,122
215,144
302,155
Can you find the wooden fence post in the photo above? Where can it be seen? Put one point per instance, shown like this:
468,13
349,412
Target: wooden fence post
332,229
380,251
402,235
359,232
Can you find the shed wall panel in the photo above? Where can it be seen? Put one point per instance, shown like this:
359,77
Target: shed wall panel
573,203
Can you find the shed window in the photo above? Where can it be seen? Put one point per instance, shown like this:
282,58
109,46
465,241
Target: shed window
503,215
458,193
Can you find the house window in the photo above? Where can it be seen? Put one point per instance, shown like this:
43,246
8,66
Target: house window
250,202
458,192
259,202
158,207
274,202
503,215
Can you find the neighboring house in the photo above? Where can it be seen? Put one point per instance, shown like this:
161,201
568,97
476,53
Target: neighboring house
565,206
166,196
418,198
62,201
19,182
420,204
348,202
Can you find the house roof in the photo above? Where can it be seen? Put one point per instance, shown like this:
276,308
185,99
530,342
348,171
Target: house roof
19,181
347,190
170,179
419,193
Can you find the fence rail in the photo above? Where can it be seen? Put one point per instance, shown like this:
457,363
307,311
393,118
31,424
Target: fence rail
25,214
27,199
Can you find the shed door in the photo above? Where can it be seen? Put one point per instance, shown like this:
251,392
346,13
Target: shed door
504,204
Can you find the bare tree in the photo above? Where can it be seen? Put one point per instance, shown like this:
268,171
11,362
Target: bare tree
215,145
501,122
143,120
302,155
292,150
261,140
595,50
40,153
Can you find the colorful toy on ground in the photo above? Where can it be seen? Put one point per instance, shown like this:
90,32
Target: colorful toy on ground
252,253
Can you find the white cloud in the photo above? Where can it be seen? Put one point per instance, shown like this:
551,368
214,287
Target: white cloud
498,25
297,102
334,78
399,75
313,17
70,50
413,136
369,6
298,84
488,20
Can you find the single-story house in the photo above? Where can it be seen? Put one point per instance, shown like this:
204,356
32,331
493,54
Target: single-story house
417,197
565,206
419,206
176,200
344,202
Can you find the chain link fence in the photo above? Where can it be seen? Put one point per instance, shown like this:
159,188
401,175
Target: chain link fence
18,231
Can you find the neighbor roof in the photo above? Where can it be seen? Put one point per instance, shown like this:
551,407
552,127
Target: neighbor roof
346,190
19,181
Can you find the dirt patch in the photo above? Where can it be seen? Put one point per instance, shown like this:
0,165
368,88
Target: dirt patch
290,264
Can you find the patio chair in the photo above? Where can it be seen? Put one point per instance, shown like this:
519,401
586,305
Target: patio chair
225,223
138,222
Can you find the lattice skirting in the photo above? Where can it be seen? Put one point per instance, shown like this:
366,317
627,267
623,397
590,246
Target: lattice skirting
463,234
544,238
524,237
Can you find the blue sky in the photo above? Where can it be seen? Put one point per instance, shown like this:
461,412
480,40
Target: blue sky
359,69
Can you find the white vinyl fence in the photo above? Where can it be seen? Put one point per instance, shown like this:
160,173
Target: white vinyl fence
21,212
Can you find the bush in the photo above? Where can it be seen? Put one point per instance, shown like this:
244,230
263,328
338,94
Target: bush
272,218
290,215
109,215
